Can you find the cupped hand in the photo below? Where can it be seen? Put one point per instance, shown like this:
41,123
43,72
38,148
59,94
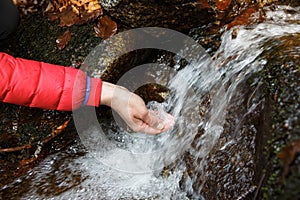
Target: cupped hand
133,110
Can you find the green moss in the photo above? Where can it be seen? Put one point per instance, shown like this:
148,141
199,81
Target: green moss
36,39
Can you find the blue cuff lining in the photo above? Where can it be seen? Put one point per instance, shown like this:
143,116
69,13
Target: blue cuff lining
87,90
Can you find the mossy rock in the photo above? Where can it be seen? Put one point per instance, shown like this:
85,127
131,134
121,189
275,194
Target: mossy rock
250,167
177,15
281,119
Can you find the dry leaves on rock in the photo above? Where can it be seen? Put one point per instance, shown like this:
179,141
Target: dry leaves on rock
27,164
222,4
55,132
105,27
287,155
63,40
28,6
249,16
70,12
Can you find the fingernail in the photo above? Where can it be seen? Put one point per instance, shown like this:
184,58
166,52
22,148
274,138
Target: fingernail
160,126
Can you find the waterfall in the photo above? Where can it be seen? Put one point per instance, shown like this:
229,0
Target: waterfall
200,94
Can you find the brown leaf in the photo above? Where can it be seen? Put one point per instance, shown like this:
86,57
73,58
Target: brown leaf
52,16
74,11
88,16
63,40
247,17
105,27
287,154
68,17
60,128
25,165
222,4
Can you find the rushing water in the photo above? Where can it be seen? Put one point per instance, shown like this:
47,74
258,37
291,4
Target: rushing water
139,174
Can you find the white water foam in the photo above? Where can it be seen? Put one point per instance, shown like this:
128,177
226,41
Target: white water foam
189,86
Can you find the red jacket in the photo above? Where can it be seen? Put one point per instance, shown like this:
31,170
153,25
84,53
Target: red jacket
47,86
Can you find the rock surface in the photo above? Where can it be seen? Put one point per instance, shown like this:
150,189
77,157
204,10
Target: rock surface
276,122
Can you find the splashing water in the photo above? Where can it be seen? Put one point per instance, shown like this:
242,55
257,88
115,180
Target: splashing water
218,78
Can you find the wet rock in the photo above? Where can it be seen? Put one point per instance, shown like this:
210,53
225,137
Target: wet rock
250,168
281,119
227,172
248,17
177,15
19,126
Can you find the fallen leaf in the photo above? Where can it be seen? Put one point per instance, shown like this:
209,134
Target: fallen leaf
70,12
105,27
247,17
68,17
88,16
60,128
287,154
93,6
25,165
52,16
222,4
63,40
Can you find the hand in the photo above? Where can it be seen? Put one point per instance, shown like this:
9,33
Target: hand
133,110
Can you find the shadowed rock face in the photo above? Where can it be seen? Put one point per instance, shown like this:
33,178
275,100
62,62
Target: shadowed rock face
181,15
177,15
280,121
250,168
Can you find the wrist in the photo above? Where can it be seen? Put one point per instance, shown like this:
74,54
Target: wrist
111,92
107,93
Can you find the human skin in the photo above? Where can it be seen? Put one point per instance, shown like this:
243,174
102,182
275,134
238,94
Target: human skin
133,110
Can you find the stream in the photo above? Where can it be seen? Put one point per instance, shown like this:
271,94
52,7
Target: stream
123,165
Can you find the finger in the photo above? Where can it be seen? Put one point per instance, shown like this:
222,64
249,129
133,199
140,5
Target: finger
153,128
168,121
149,130
155,120
149,118
162,120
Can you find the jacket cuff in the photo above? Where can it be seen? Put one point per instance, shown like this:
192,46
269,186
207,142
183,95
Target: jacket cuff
94,92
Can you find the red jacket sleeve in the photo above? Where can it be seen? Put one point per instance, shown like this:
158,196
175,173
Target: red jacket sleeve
47,86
